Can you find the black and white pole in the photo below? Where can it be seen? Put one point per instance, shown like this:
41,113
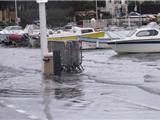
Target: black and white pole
43,29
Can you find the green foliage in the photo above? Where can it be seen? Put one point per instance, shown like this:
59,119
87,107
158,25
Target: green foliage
59,17
3,24
58,12
83,5
147,3
131,5
28,16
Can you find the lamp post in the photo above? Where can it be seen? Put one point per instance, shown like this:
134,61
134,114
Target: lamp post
43,29
16,12
96,10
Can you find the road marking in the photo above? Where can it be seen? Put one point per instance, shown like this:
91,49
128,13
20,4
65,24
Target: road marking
33,117
1,101
10,106
30,116
21,111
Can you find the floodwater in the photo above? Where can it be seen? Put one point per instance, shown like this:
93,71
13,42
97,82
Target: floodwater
112,87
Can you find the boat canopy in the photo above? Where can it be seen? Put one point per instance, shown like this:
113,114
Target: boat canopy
79,30
153,25
13,28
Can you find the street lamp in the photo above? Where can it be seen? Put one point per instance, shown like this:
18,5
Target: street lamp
96,11
16,12
43,29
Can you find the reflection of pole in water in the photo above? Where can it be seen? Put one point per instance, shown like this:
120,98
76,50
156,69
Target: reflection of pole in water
47,98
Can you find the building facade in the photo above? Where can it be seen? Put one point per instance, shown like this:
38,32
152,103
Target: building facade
7,15
7,11
117,8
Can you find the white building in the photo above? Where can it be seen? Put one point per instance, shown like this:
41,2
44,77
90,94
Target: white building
117,8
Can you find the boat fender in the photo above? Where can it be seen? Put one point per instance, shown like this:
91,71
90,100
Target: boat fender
46,59
65,43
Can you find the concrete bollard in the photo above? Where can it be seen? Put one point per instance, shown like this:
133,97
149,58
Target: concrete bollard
48,64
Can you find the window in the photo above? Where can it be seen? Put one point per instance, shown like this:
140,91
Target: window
16,28
131,33
7,28
68,27
36,27
147,33
87,31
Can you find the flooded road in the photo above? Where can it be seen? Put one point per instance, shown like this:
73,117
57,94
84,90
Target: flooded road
115,87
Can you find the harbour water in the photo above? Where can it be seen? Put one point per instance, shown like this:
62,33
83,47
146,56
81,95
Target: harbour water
112,87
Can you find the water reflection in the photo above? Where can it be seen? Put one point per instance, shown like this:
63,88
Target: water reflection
22,93
61,93
69,86
47,98
138,57
66,87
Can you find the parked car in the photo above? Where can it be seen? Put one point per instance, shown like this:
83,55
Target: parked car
4,34
2,25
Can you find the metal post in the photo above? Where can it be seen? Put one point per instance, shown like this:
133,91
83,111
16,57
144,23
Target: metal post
96,11
129,22
140,14
16,12
43,29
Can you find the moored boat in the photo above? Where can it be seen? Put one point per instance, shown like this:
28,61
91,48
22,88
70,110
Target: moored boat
76,32
11,30
146,39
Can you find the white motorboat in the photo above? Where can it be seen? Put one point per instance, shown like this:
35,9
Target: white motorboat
145,39
74,33
12,30
34,30
4,34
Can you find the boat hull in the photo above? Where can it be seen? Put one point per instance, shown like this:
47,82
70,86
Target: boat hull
135,46
93,43
75,37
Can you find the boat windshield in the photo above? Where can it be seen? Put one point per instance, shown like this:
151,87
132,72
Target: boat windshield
131,33
7,28
13,28
87,31
16,28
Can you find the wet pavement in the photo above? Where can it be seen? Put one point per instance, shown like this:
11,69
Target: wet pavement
112,87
